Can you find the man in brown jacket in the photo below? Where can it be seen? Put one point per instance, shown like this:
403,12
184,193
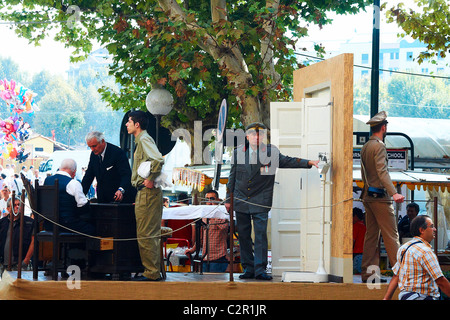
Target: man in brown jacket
376,196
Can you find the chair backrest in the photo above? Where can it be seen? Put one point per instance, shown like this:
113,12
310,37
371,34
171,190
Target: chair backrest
47,202
179,242
183,227
30,191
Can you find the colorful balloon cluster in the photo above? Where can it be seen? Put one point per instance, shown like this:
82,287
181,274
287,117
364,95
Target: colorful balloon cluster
18,98
13,130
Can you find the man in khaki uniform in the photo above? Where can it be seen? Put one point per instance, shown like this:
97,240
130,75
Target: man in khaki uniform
376,196
149,200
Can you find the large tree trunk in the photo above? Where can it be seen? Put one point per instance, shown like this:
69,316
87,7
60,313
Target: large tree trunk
255,110
231,60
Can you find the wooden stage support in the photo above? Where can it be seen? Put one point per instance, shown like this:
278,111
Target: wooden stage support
183,286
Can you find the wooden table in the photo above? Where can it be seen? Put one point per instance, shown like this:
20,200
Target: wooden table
117,257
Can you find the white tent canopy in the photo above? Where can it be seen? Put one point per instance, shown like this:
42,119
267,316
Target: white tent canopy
431,137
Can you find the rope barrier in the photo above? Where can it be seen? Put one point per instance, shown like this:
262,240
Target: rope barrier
306,208
115,239
197,219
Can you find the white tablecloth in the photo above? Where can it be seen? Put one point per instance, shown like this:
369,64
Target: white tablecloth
194,212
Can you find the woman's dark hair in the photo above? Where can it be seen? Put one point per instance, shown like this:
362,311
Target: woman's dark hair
418,222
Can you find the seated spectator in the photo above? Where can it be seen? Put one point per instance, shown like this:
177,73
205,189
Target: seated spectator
28,239
215,236
417,272
412,210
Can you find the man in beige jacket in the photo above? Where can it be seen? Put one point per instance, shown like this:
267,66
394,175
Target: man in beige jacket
149,199
376,196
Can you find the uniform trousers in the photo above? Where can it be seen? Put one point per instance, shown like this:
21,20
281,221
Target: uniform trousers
379,217
148,211
253,257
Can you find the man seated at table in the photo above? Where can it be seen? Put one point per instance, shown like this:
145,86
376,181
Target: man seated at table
215,235
73,204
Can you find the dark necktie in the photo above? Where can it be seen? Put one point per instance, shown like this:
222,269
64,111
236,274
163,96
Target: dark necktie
254,161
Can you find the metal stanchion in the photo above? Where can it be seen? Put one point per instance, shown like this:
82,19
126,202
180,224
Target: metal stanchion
231,238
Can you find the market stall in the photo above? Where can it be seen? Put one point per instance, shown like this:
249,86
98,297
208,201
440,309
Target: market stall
198,177
437,187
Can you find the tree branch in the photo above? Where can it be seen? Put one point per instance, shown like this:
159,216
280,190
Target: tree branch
266,43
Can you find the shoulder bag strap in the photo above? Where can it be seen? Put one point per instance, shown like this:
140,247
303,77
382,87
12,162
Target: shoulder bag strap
403,254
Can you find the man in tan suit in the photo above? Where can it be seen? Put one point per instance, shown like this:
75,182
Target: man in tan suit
376,196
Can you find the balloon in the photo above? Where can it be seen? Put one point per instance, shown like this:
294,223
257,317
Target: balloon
17,97
13,130
13,154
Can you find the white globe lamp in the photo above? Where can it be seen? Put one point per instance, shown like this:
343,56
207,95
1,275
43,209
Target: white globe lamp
159,102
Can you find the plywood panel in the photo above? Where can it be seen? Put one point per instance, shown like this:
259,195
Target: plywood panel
336,74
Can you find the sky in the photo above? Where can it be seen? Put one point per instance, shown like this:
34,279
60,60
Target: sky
50,56
54,57
345,27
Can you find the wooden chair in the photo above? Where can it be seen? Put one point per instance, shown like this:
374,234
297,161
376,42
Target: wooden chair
179,243
28,187
47,208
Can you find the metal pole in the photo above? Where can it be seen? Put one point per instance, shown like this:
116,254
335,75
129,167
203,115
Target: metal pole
375,75
231,237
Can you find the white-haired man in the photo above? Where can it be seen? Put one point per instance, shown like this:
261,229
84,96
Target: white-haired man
109,166
72,201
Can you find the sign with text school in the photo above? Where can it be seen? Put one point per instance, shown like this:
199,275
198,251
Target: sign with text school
397,158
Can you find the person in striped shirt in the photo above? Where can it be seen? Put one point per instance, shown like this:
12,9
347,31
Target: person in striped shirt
215,235
417,272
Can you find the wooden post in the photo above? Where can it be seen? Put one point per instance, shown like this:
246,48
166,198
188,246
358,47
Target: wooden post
231,237
35,217
11,229
19,259
195,199
435,218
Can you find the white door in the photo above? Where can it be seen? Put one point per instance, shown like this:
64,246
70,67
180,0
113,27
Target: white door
286,133
316,143
299,129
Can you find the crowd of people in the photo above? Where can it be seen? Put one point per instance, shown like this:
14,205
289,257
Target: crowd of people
11,182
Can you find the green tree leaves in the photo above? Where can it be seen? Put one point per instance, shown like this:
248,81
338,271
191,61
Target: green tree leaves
429,23
202,51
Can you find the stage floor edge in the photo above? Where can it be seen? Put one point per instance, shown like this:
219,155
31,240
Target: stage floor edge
182,286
